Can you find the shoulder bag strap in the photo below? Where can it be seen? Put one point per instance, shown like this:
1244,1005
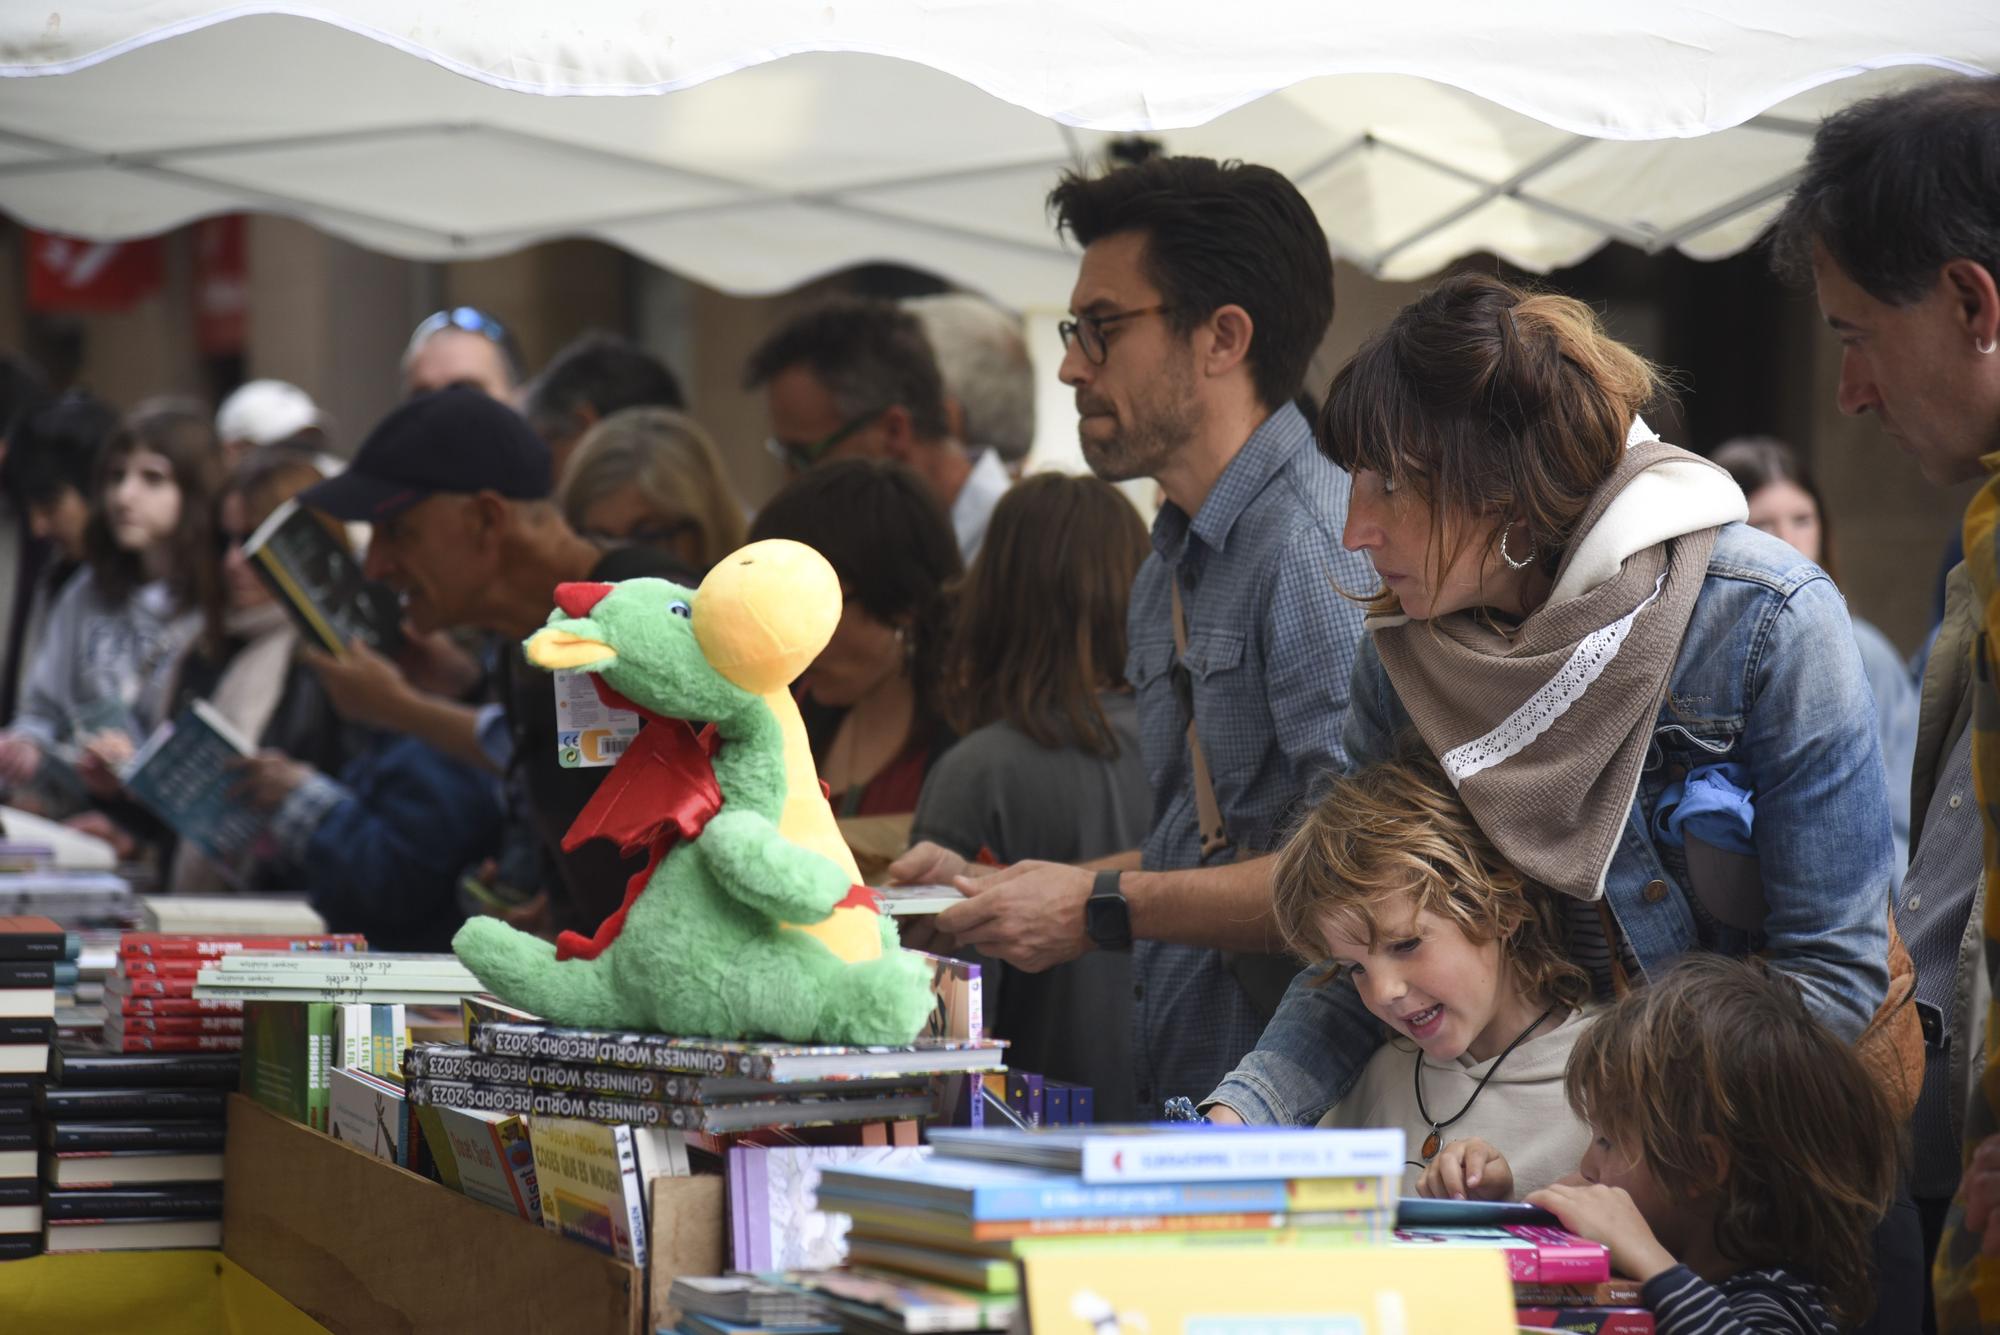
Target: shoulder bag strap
1214,835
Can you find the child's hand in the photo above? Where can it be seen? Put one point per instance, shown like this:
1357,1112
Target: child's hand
1468,1169
1607,1215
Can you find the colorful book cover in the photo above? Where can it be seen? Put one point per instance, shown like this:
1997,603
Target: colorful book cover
774,1215
1613,1292
1587,1320
590,1185
196,947
942,1225
1255,1291
369,1113
319,583
493,1158
989,1191
1534,1254
1192,1154
183,773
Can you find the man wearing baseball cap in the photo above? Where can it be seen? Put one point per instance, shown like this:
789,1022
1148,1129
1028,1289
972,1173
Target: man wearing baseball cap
456,486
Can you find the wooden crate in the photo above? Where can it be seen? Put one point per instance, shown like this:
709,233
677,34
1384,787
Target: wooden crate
367,1248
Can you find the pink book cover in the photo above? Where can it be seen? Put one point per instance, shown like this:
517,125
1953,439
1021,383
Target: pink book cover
1588,1320
1557,1257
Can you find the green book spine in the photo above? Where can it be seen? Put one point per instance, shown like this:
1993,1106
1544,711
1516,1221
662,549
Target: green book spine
321,1021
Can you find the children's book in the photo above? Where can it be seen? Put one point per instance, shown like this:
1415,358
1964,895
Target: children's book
595,1180
183,775
319,582
1248,1290
775,1221
888,1301
1173,1153
996,1191
485,1155
371,1114
1534,1254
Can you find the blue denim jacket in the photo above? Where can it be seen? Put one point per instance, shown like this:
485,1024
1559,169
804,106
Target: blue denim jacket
1769,678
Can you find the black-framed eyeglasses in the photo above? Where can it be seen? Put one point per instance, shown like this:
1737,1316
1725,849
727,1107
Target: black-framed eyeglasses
1089,330
802,457
468,318
659,534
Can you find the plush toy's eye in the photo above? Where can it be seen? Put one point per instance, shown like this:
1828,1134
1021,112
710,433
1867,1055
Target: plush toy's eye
679,609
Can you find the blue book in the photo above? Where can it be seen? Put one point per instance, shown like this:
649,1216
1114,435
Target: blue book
1182,1151
983,1191
183,775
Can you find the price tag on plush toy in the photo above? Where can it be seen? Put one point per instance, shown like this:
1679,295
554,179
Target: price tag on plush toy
589,733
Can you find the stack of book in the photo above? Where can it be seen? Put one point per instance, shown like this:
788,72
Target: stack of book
30,949
134,1148
75,899
343,978
934,1242
1561,1281
742,1305
150,1002
711,1086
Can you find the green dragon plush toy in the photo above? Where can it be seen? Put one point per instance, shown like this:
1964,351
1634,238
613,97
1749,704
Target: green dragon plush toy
748,921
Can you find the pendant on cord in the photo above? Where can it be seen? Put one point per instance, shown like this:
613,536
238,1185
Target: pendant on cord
1431,1145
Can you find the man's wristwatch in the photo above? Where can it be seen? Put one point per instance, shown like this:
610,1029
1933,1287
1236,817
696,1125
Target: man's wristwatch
1107,917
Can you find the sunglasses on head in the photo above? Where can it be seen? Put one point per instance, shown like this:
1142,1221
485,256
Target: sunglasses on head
468,318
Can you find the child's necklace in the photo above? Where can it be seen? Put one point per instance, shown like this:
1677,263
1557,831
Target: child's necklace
1435,1140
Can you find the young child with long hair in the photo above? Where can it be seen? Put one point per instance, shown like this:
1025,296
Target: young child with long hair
1461,959
96,683
1740,1155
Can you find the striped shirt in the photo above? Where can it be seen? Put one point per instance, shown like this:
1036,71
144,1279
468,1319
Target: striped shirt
1766,1302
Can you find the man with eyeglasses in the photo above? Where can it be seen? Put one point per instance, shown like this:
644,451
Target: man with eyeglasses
1204,290
858,380
462,345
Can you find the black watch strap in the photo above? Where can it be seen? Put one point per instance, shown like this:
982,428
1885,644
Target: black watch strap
1107,917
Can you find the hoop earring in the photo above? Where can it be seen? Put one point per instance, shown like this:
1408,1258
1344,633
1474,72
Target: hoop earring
1506,556
1985,346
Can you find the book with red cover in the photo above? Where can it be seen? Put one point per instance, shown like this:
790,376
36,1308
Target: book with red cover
177,1024
1587,1320
163,1006
30,938
123,984
156,944
163,966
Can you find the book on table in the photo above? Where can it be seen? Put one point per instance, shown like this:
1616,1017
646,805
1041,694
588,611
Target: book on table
109,1235
595,1180
774,1219
1175,1153
128,1168
198,1200
770,1061
716,1119
226,916
319,582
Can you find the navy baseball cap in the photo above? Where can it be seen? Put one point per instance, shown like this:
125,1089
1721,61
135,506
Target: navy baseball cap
457,439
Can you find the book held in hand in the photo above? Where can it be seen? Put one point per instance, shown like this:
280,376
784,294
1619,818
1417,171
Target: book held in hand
183,775
319,582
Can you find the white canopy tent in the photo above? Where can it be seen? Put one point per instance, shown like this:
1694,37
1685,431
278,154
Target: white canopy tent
792,139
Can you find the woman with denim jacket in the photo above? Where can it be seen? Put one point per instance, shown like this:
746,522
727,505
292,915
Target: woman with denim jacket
1573,617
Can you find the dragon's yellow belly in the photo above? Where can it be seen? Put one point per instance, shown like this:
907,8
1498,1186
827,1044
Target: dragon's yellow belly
852,934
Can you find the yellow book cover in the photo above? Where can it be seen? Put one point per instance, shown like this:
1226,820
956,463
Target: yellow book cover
1341,1193
1255,1291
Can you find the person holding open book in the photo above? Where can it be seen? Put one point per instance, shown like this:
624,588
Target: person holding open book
94,688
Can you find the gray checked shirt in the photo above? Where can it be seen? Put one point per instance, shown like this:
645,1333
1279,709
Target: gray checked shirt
1271,641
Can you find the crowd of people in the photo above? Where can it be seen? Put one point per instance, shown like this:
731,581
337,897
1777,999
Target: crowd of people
1454,754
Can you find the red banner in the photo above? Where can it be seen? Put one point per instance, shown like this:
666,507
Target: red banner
221,284
68,276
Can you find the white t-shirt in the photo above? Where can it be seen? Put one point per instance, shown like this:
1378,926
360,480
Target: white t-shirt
1522,1112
